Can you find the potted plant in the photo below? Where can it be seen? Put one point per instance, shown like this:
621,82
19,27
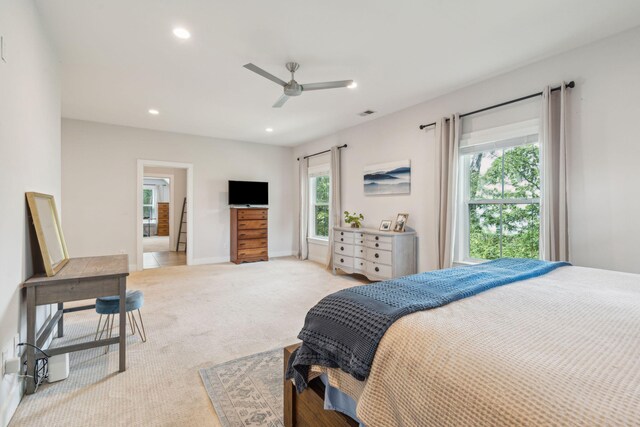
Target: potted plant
355,219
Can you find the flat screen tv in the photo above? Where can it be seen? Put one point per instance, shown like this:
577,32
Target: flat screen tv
248,193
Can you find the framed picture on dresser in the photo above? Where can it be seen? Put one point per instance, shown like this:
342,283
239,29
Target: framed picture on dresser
385,225
401,222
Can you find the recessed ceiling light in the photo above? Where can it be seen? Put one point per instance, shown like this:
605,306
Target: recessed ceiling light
353,85
181,33
269,129
154,112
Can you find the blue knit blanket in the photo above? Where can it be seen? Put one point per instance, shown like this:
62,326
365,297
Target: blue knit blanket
344,329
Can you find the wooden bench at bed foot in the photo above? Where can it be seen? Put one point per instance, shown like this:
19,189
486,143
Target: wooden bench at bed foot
307,408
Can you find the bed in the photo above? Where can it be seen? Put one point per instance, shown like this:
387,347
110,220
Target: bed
559,349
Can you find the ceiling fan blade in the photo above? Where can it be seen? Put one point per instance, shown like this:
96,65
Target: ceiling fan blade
263,73
326,85
280,102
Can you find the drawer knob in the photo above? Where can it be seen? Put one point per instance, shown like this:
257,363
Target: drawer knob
377,244
361,250
341,239
377,255
342,233
377,238
377,269
342,248
341,259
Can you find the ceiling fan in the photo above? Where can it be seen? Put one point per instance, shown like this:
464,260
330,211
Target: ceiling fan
293,88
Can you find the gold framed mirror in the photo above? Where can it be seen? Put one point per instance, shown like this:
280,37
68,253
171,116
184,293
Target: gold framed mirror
49,231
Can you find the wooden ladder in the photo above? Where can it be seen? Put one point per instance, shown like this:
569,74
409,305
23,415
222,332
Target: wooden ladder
181,232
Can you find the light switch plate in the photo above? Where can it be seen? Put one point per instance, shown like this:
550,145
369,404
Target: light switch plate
3,54
16,350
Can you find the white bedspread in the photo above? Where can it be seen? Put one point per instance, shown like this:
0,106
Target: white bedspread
561,349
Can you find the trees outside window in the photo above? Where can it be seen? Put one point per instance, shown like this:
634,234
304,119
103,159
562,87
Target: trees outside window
319,206
500,211
148,202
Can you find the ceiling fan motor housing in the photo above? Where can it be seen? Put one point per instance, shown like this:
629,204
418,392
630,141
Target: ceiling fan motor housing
292,89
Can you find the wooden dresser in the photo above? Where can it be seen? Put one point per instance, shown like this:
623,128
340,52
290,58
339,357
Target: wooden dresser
249,235
163,218
379,255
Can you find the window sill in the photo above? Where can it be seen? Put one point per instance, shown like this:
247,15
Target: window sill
318,241
466,262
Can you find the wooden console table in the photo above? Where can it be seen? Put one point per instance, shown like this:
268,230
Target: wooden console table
79,279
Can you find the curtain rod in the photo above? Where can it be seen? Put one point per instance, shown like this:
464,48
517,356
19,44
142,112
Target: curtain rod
569,85
321,152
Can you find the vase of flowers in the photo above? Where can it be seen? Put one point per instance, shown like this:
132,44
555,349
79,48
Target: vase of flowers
355,219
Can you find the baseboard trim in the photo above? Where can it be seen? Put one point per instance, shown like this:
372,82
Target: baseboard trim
223,259
13,398
280,254
211,260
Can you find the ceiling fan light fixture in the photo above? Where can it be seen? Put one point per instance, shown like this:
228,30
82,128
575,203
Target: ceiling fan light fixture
269,130
353,85
181,33
153,111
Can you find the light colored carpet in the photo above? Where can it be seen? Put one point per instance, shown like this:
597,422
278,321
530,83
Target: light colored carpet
247,391
155,244
195,317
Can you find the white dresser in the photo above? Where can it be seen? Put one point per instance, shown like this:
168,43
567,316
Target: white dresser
379,255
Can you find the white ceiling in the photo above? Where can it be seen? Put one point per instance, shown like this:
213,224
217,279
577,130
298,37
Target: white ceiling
119,57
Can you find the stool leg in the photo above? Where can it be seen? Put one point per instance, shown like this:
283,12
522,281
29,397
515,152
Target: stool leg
130,319
98,328
104,328
113,318
143,333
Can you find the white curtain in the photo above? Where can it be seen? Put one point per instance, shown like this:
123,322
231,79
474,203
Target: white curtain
447,144
335,208
303,211
554,234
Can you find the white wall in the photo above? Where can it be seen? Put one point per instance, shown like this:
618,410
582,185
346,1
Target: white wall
180,192
29,161
104,157
604,150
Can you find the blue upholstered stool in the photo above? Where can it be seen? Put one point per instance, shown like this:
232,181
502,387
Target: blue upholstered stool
110,306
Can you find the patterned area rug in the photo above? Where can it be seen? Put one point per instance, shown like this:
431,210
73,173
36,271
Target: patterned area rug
247,391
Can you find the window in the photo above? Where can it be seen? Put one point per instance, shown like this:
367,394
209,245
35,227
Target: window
148,201
319,190
499,210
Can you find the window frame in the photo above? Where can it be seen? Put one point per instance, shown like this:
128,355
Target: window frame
153,201
315,172
499,138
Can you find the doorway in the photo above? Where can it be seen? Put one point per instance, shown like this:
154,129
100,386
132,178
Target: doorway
164,225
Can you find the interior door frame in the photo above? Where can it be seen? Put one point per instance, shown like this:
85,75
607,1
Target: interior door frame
141,163
172,219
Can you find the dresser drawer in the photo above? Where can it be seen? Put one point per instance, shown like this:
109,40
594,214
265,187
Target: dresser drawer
252,243
359,251
360,265
386,246
344,261
255,252
343,237
379,270
343,249
381,257
252,214
252,234
377,238
252,224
